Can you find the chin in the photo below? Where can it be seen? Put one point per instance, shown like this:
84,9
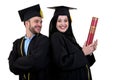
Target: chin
37,31
63,30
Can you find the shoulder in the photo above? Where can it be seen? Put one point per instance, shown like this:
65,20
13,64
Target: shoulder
57,35
41,37
58,38
18,40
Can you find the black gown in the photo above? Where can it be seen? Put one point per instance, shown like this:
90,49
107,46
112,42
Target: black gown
69,61
34,66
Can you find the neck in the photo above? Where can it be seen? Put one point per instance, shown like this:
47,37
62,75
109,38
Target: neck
29,34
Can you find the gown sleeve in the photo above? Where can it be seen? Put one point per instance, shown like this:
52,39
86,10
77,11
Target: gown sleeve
12,58
91,59
37,60
65,55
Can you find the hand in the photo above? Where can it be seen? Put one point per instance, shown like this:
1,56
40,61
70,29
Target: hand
89,49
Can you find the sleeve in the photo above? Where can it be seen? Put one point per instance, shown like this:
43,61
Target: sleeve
12,57
64,58
91,59
38,59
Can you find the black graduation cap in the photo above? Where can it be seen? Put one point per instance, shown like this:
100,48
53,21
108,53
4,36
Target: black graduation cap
30,12
61,10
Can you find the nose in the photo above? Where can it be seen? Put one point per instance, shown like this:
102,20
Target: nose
62,23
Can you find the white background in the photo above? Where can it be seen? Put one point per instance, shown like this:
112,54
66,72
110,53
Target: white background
107,66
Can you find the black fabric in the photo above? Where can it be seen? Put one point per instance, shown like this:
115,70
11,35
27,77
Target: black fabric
69,62
29,12
68,33
36,63
61,10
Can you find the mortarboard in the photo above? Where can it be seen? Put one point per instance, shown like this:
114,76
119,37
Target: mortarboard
61,10
30,12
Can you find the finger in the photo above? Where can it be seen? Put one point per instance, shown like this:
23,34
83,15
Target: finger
91,45
95,43
84,44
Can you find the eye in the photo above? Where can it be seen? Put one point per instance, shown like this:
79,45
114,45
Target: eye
59,20
65,20
36,21
41,21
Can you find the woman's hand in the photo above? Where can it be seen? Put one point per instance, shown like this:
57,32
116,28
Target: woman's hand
89,49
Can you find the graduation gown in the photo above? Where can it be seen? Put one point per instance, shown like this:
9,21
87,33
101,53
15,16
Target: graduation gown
34,66
69,61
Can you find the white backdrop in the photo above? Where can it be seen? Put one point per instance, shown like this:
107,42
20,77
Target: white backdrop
107,66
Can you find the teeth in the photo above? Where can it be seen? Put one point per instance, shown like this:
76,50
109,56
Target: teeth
62,27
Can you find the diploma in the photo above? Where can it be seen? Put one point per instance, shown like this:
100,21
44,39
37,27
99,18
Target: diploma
92,30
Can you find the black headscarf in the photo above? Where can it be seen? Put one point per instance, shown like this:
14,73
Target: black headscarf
68,34
61,10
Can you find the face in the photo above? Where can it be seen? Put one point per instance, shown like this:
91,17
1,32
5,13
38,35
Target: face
62,23
34,24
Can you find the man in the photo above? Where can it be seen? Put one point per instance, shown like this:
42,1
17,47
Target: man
29,57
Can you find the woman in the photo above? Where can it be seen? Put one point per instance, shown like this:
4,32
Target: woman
70,61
